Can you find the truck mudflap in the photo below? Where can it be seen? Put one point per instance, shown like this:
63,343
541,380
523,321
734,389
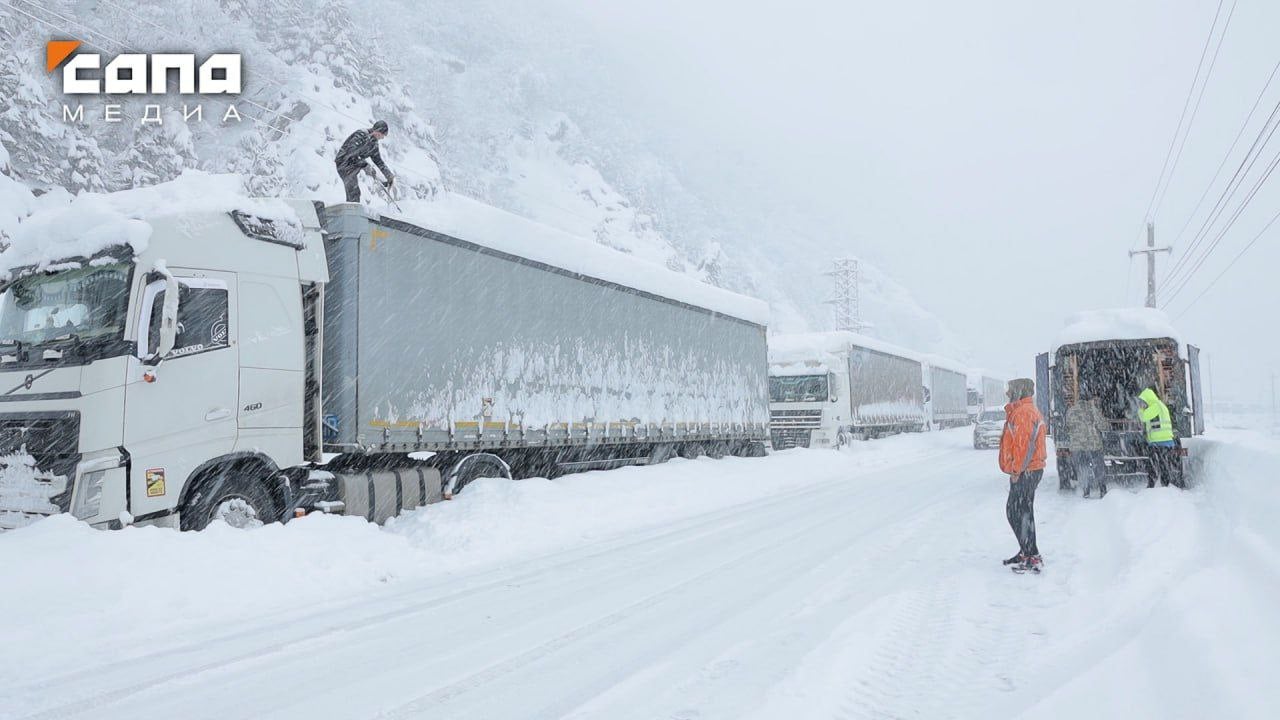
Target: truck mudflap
377,495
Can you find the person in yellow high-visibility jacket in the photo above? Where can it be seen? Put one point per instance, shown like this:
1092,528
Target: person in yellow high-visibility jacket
1162,443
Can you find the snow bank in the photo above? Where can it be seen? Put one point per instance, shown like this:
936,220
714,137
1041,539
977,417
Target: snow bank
1116,324
482,224
88,593
92,222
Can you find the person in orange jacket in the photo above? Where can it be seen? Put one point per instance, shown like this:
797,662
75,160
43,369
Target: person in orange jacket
1022,458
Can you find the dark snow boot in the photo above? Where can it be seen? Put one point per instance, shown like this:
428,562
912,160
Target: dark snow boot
1015,560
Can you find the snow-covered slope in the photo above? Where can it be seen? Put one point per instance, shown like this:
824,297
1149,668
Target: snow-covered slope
480,102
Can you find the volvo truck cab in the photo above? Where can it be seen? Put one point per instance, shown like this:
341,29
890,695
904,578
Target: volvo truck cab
135,383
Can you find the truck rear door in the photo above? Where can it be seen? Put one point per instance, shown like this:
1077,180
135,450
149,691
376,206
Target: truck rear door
1043,391
1197,393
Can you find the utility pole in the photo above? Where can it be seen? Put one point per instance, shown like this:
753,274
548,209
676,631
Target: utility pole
848,313
1150,252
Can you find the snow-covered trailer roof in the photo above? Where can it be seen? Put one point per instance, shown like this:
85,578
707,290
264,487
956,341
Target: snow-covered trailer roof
801,347
1116,324
81,227
475,222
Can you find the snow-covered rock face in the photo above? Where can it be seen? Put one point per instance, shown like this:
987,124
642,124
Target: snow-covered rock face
476,105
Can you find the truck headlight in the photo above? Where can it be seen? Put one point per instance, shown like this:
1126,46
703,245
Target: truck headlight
89,495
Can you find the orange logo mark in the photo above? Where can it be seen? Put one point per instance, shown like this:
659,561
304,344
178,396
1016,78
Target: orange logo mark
56,51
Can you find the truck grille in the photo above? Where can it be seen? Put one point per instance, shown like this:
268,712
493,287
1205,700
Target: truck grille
795,419
785,439
53,440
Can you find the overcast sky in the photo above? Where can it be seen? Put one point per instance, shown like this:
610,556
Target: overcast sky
996,157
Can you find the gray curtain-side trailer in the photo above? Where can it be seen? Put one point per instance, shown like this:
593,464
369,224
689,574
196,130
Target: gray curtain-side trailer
439,346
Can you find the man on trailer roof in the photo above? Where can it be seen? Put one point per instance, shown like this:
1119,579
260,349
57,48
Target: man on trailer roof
357,150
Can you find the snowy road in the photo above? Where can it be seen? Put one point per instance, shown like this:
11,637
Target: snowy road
866,589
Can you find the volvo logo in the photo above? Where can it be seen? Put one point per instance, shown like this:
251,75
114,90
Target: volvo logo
29,381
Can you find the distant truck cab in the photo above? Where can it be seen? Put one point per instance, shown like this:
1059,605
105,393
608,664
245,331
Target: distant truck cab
829,388
1142,352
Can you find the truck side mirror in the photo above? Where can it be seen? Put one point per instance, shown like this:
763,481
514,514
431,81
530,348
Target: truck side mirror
168,315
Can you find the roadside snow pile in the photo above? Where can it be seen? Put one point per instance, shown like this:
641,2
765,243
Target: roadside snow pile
106,591
89,223
1116,324
473,221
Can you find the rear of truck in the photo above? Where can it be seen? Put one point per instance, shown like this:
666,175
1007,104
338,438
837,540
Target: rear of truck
1116,372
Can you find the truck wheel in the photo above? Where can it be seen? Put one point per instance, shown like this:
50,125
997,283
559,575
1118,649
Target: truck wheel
691,451
661,453
750,449
473,467
235,496
717,450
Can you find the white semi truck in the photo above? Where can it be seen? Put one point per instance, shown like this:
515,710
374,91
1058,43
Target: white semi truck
985,393
828,388
251,367
946,393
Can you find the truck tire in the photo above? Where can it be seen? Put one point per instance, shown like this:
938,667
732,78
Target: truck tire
472,467
717,450
691,451
750,449
234,494
661,452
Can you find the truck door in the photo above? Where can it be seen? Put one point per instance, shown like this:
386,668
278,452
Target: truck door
1197,393
1043,391
188,414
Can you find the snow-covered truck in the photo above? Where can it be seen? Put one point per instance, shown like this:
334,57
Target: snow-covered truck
1114,355
985,393
826,389
946,393
180,354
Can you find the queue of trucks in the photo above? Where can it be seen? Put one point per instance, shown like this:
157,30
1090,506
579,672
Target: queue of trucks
827,389
248,366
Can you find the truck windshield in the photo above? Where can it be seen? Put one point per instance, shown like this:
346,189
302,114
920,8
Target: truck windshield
89,303
798,388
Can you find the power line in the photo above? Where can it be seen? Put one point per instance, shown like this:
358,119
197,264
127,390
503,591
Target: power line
1196,109
1234,260
1233,185
1230,223
1239,134
1183,115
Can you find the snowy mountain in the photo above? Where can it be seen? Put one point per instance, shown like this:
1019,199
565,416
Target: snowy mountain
480,102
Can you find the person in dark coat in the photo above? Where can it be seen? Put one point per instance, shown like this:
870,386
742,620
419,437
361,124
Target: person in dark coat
357,150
